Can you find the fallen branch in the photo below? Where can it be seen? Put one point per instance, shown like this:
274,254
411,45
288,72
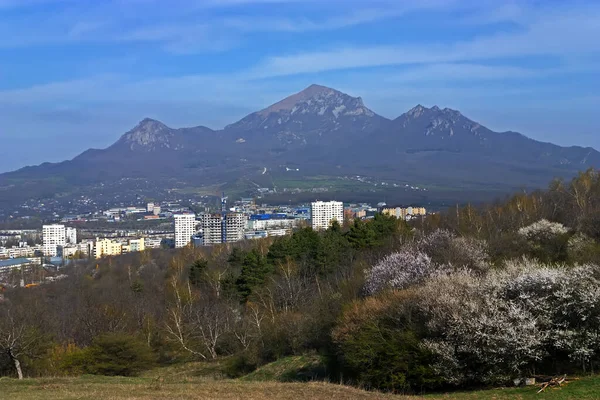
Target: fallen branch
554,382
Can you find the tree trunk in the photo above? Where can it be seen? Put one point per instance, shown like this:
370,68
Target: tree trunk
18,368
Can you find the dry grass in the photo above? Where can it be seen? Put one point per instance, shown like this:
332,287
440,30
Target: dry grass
146,388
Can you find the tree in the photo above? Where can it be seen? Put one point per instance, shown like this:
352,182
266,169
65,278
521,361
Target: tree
197,270
18,339
255,271
399,271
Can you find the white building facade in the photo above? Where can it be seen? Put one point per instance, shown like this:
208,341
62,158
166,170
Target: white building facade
323,213
71,235
53,237
185,228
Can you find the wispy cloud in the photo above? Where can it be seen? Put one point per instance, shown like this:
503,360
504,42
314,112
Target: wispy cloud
556,34
183,25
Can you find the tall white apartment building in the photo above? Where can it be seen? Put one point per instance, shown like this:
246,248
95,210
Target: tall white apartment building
71,235
323,213
53,237
185,228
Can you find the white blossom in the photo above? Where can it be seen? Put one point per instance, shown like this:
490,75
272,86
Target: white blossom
543,230
399,271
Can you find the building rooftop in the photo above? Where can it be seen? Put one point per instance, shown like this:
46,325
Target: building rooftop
13,262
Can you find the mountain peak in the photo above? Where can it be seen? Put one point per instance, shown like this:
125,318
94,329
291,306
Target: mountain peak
149,124
147,134
314,91
417,111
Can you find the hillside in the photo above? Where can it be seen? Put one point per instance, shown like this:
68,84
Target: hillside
318,132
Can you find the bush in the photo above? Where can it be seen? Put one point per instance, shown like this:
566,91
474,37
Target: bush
113,354
380,346
239,365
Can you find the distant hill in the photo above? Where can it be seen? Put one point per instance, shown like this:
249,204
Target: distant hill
321,132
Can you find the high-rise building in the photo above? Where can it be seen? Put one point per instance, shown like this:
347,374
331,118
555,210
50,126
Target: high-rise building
71,235
212,229
323,213
223,228
53,237
185,228
234,227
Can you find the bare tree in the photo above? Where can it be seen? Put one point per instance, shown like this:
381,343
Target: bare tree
17,338
197,323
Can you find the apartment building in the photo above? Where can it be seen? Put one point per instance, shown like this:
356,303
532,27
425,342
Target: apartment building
212,228
107,247
223,228
235,224
71,235
53,237
405,213
135,245
323,213
185,228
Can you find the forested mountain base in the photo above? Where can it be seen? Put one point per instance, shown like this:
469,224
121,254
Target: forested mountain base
468,298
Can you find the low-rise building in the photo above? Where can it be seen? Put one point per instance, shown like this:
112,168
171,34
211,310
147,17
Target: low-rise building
404,213
107,247
134,245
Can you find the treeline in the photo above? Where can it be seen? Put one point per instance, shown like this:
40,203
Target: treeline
471,296
257,300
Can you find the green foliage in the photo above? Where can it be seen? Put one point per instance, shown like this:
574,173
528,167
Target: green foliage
114,355
239,365
197,270
381,348
255,270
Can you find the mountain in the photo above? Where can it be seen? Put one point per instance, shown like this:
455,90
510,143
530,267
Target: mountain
321,132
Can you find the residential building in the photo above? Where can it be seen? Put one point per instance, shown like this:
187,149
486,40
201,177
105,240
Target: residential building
53,237
404,213
71,235
15,263
185,228
223,228
107,247
323,213
212,229
235,223
152,243
134,245
260,222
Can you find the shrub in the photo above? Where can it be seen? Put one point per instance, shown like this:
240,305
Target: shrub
379,345
546,241
113,354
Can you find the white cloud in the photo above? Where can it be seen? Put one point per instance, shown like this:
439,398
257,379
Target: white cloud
557,34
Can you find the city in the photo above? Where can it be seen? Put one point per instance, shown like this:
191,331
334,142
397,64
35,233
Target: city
58,244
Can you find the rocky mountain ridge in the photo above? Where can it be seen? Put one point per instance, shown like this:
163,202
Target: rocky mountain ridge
322,131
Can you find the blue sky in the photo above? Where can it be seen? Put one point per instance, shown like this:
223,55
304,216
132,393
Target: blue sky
76,74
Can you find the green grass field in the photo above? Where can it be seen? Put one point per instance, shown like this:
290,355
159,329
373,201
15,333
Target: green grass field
206,381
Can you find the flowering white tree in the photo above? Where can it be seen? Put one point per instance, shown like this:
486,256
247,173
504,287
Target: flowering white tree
398,271
543,230
444,247
476,334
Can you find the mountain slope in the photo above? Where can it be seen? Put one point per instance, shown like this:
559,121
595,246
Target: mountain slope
320,131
